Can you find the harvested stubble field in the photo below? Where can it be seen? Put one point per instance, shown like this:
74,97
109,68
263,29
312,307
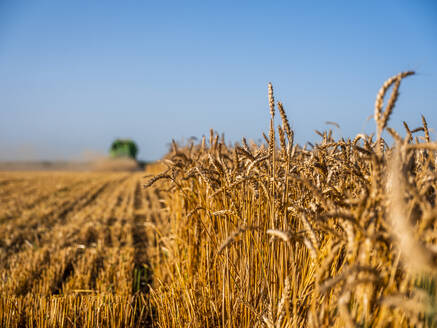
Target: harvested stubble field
273,235
73,249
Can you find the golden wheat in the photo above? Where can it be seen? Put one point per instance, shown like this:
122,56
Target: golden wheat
291,237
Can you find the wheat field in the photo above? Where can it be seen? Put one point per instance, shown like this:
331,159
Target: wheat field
341,233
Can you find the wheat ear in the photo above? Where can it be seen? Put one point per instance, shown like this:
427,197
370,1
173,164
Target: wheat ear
380,117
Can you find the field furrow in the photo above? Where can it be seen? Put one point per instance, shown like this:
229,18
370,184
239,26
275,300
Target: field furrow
29,196
32,227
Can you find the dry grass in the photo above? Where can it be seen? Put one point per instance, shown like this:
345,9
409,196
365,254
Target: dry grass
341,235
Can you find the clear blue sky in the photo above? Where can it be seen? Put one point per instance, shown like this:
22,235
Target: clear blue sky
76,74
